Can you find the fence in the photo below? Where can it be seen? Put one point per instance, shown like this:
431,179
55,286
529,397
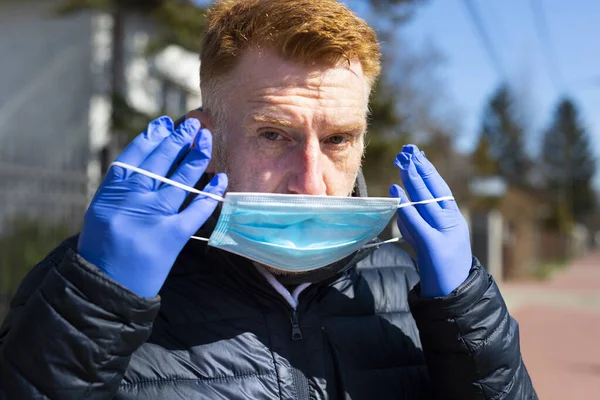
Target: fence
39,209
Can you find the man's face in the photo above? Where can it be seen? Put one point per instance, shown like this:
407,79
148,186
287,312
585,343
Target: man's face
292,129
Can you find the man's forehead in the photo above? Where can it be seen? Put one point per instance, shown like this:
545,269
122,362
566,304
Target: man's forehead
266,88
351,122
267,69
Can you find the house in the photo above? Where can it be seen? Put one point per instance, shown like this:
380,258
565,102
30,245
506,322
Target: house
55,105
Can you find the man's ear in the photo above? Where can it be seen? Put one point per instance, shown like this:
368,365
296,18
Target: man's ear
206,122
201,116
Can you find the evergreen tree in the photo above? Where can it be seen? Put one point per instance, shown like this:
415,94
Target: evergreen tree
568,163
501,146
483,163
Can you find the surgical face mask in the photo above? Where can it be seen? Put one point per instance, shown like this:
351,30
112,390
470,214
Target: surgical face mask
299,232
296,232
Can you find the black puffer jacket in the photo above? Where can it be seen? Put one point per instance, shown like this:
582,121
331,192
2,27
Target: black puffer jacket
219,330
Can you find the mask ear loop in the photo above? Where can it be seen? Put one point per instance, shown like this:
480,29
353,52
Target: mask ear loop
169,181
401,239
393,240
172,183
437,199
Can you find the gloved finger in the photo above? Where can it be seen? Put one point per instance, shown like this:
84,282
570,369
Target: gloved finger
171,149
202,207
416,189
409,219
190,170
431,177
145,143
137,151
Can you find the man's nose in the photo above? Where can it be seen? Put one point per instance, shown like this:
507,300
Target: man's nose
307,171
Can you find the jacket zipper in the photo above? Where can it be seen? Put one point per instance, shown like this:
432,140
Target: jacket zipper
300,381
296,332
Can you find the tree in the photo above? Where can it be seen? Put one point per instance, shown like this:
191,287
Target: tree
501,146
483,163
180,22
568,164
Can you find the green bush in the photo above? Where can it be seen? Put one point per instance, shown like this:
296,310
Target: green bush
25,242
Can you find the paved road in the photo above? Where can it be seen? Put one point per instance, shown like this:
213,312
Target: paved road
560,330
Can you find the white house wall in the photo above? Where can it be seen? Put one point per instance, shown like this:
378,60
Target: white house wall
45,87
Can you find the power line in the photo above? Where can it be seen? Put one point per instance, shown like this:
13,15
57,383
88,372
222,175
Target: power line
485,39
543,35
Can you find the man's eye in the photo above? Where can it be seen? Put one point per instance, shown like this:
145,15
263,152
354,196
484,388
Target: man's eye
336,139
270,135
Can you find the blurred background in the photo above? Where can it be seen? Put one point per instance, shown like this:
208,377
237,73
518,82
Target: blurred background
502,95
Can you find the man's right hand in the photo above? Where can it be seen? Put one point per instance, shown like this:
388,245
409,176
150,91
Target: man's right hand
133,230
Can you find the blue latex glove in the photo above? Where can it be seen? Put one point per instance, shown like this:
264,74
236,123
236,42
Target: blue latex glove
133,230
438,232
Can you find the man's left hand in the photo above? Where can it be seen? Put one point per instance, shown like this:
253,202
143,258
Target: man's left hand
437,231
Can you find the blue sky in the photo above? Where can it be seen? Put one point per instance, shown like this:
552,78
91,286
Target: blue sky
470,77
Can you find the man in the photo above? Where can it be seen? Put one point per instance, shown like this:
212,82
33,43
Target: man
131,309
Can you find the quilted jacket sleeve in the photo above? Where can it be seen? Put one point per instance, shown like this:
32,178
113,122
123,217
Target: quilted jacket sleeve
70,331
471,343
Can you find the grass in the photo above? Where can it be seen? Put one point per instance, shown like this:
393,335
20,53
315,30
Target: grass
546,271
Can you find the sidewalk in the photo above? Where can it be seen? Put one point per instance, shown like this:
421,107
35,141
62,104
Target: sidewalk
559,325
